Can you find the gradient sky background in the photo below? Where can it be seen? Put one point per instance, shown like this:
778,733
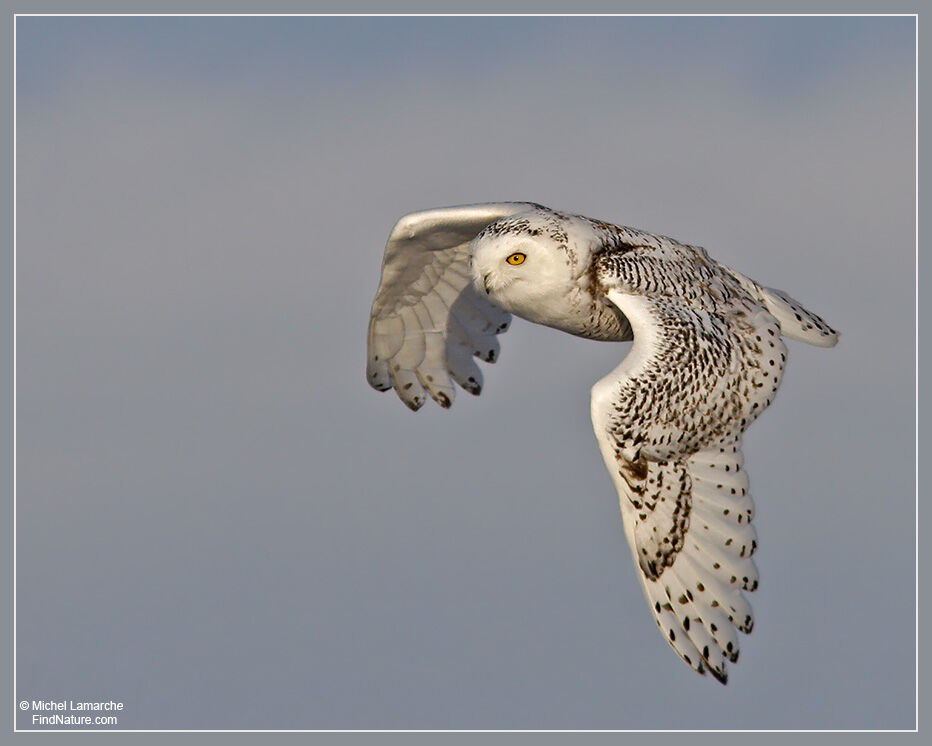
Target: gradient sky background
222,525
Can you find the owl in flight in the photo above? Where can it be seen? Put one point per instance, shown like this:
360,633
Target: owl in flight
707,359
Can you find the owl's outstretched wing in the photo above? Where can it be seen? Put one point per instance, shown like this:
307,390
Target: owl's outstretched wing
669,421
427,321
688,523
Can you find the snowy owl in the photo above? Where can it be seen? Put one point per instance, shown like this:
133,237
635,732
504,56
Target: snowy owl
707,359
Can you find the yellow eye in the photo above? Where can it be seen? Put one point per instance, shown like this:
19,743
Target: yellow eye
516,258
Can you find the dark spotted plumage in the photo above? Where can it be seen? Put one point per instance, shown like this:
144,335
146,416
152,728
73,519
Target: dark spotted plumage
707,359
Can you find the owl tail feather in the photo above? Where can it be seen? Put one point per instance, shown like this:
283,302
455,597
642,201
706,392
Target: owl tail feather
796,322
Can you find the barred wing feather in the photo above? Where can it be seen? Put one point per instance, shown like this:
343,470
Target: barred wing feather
427,321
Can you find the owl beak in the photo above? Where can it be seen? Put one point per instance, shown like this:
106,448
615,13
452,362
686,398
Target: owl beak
486,285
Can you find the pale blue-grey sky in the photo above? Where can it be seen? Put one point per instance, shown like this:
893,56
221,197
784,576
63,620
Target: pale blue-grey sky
223,526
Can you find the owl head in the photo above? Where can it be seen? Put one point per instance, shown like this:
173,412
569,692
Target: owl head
529,263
